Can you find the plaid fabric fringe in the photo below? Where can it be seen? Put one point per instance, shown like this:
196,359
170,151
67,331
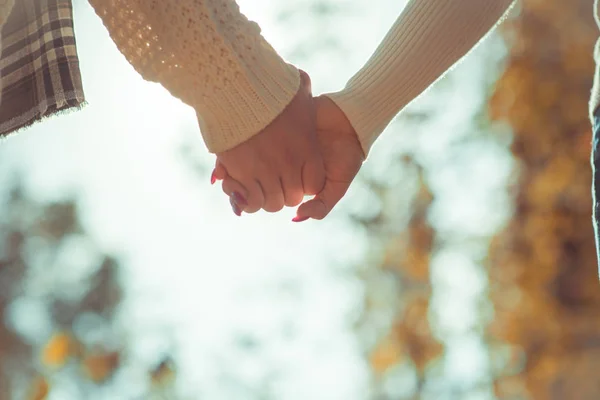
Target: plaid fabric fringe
39,67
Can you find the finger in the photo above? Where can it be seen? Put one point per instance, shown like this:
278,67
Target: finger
323,203
256,196
313,176
273,191
237,194
237,203
219,173
293,190
252,198
305,82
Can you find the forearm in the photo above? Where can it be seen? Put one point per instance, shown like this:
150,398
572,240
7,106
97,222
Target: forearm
206,53
426,40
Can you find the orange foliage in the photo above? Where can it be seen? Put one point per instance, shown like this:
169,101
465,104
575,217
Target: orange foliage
409,257
100,366
414,332
39,389
543,272
58,350
386,355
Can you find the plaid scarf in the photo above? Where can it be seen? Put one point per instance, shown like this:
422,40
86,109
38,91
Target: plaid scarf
39,67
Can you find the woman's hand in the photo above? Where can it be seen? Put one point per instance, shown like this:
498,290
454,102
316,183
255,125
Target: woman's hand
278,166
342,154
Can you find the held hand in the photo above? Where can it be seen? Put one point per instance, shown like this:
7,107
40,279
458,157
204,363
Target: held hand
342,154
279,165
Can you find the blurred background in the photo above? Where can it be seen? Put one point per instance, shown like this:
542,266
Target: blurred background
460,266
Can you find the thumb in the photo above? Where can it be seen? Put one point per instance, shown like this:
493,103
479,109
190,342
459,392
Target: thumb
322,203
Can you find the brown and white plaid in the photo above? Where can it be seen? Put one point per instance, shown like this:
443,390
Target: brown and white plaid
39,67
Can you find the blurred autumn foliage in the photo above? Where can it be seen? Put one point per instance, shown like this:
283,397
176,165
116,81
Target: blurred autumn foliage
58,303
407,345
542,337
542,266
543,281
410,253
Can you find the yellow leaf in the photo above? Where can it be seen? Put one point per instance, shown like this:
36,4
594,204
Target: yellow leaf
387,354
57,350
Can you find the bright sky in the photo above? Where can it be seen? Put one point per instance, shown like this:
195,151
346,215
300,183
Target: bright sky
211,275
191,264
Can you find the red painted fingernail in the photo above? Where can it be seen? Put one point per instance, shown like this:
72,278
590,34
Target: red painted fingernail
239,199
213,177
299,219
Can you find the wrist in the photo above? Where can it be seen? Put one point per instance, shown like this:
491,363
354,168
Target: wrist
358,107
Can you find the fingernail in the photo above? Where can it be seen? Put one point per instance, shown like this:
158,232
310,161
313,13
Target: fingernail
236,209
299,219
239,199
213,178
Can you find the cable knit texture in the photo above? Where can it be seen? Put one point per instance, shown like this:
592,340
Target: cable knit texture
428,38
209,55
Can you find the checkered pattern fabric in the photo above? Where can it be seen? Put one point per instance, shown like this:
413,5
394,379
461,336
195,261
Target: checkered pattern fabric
39,67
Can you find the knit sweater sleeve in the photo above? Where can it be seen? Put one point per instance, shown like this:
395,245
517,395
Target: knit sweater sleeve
428,38
209,55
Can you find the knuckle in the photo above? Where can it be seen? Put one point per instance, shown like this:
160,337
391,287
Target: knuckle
273,207
293,203
226,188
254,204
294,199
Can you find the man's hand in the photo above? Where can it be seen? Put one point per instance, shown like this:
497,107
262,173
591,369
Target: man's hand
278,166
342,155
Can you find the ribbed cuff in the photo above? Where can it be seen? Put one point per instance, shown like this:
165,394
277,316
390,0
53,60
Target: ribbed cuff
426,40
248,105
367,122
